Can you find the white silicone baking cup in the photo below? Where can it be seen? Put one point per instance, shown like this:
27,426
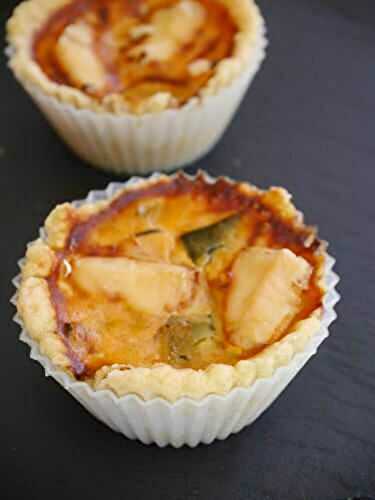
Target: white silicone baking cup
162,141
187,421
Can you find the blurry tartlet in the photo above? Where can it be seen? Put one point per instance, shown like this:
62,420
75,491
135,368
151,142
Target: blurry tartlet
174,287
124,59
135,56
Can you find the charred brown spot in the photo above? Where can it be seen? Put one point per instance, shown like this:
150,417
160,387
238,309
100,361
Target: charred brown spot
103,14
67,329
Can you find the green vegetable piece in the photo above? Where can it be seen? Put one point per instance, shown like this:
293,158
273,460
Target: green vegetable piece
203,242
183,336
202,331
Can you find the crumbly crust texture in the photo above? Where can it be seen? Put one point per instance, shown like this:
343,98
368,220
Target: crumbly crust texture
30,15
37,312
171,384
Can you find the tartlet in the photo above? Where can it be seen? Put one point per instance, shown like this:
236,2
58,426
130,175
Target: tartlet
125,64
175,287
169,403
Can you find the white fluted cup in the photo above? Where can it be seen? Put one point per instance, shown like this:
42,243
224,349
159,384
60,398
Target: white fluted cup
134,144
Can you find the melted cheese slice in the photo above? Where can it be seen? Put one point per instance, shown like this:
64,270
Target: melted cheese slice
153,288
169,30
265,295
74,51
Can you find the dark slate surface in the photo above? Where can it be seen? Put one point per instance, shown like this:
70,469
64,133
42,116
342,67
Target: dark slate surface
308,123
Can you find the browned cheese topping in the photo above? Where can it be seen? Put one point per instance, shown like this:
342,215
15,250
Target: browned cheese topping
183,272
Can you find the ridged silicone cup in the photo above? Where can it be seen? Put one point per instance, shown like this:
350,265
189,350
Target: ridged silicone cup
187,421
161,141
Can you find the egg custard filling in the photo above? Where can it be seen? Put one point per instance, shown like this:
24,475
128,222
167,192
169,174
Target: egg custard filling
177,272
133,55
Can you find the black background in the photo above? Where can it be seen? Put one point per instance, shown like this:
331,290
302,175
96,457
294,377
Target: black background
308,123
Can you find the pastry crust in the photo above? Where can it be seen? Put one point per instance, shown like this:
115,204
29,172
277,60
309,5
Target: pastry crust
160,380
166,382
35,307
30,15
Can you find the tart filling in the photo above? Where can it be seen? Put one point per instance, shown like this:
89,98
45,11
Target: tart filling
176,284
131,55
